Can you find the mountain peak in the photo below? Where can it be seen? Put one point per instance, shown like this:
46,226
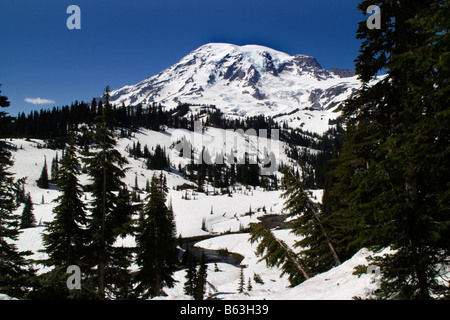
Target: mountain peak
242,81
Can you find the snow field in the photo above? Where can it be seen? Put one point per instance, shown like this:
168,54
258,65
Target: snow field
215,215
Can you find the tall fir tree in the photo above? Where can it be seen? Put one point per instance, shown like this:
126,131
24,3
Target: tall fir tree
201,282
43,181
241,281
309,224
156,248
276,252
105,167
15,270
27,219
54,169
391,184
191,274
196,276
66,238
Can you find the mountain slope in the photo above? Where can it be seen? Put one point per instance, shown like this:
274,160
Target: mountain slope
219,217
247,81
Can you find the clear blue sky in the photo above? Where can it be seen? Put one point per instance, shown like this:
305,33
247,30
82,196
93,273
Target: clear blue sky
124,42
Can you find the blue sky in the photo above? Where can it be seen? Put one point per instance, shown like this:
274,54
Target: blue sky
124,42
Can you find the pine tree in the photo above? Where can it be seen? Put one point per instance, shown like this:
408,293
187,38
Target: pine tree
241,281
202,273
249,284
105,166
390,173
55,168
191,275
277,253
308,223
156,251
318,252
66,239
43,179
15,270
19,191
158,161
28,220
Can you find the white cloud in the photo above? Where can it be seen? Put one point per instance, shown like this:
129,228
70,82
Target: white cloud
38,100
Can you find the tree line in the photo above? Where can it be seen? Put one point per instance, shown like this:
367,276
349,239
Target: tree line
55,126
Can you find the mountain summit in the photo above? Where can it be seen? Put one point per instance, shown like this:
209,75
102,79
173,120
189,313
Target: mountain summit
245,81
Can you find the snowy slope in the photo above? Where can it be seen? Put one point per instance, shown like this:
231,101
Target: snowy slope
247,81
221,214
30,156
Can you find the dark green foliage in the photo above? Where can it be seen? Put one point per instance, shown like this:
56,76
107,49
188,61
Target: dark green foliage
307,221
241,281
27,219
191,274
66,238
248,172
19,191
309,224
53,286
15,272
159,160
277,253
156,251
43,181
389,186
54,169
202,272
106,168
196,276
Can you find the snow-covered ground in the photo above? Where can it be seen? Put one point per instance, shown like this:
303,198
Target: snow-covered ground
219,215
338,283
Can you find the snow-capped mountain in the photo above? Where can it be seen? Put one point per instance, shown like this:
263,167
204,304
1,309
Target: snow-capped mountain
246,81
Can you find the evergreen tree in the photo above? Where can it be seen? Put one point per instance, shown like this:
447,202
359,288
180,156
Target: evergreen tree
196,275
191,275
277,253
52,285
241,281
20,194
202,272
28,220
15,271
156,251
158,161
249,284
66,239
105,166
309,224
392,176
318,252
43,179
54,168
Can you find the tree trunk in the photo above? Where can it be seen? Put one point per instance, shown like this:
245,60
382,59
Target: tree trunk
101,265
291,255
325,234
